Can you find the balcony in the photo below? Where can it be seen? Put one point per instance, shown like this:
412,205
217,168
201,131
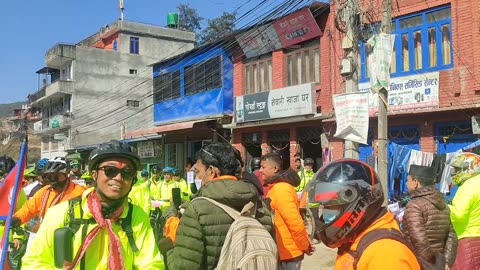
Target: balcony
52,91
59,53
52,125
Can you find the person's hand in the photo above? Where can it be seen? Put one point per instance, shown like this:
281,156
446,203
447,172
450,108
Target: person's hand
447,267
310,250
17,243
15,222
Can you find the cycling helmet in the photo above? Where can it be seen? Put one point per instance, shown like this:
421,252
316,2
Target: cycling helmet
177,172
6,164
144,173
40,165
74,163
29,173
350,193
169,170
466,166
255,163
308,161
155,169
56,165
86,176
113,148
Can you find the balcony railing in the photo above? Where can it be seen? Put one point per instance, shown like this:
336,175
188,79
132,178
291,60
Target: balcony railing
59,86
37,95
52,124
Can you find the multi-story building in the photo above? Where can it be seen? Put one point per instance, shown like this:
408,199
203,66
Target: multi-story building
90,91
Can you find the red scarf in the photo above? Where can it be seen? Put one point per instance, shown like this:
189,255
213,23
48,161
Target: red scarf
115,259
44,206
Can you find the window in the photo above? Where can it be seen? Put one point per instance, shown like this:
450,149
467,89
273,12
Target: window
422,44
133,71
134,45
133,103
258,74
166,87
303,65
203,76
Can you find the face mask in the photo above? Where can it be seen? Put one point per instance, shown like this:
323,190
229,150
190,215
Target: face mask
198,182
330,215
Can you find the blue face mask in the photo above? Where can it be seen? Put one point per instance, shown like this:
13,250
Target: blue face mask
330,215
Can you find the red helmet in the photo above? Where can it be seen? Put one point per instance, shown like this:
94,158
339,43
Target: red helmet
350,195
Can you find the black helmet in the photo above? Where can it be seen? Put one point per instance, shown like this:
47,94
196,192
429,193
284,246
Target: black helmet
155,169
308,161
351,196
56,165
255,163
113,148
6,164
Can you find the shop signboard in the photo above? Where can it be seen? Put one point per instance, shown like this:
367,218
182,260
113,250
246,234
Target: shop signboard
285,102
145,149
297,28
407,93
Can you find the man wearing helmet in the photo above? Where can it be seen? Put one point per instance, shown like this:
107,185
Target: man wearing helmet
60,189
351,196
75,173
306,174
465,210
40,183
181,183
113,167
155,184
140,194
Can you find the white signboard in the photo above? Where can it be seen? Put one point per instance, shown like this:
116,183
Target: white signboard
407,93
145,149
351,113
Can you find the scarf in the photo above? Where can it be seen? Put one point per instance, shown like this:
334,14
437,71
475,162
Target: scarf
115,259
44,206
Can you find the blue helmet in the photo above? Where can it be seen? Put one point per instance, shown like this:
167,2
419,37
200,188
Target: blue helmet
168,169
40,165
144,173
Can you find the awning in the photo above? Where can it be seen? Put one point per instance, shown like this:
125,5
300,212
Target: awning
162,129
277,121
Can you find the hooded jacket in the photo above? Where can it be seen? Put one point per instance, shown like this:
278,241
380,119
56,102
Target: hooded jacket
427,226
291,235
204,226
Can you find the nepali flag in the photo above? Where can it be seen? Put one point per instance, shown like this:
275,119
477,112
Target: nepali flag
9,189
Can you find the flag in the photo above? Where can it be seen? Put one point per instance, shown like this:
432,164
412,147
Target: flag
9,190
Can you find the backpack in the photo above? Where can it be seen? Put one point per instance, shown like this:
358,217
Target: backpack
384,233
248,245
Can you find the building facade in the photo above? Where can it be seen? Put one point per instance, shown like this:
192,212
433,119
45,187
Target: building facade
90,91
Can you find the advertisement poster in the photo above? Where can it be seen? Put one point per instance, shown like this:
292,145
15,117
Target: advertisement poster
407,93
351,113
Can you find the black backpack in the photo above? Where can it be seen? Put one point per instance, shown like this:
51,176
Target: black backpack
63,237
384,233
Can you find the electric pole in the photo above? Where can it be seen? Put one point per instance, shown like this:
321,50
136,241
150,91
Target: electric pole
382,110
350,65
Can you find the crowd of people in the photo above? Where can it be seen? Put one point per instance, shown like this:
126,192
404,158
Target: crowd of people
101,218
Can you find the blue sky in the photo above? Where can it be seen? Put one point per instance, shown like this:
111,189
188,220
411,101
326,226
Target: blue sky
32,27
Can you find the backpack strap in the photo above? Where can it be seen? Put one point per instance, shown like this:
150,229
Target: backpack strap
126,224
229,210
372,236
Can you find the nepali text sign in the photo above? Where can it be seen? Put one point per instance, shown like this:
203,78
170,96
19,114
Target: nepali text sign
297,28
145,149
284,102
258,41
351,113
407,93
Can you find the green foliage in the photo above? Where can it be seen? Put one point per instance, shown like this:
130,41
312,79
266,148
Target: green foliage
217,28
189,20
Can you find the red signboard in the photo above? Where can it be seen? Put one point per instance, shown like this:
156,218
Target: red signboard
296,28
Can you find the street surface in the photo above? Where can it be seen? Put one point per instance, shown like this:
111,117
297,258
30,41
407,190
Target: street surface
322,259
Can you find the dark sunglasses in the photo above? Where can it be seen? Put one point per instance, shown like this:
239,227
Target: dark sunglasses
111,171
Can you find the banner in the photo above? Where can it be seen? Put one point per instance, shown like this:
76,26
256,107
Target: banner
9,190
379,60
351,113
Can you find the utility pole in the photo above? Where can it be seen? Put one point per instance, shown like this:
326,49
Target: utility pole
350,65
382,110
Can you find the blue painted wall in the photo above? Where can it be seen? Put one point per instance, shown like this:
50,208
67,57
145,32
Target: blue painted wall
209,103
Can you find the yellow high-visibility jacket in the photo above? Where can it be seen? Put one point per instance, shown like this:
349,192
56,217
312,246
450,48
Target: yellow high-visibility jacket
40,254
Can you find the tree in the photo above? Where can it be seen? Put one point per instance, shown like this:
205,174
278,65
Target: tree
189,20
218,28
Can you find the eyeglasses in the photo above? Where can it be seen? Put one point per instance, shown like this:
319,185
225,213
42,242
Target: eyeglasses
111,171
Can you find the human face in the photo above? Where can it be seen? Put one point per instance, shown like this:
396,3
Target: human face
298,163
167,177
176,177
202,172
412,183
155,176
268,169
113,187
55,177
308,167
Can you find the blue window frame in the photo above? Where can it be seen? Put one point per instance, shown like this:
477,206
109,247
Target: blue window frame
423,43
134,45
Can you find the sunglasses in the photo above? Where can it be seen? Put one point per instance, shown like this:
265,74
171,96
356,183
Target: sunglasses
111,171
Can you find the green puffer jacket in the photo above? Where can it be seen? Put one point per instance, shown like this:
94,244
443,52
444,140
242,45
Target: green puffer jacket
204,226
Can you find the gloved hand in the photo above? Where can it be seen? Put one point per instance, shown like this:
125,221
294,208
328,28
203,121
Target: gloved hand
15,222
